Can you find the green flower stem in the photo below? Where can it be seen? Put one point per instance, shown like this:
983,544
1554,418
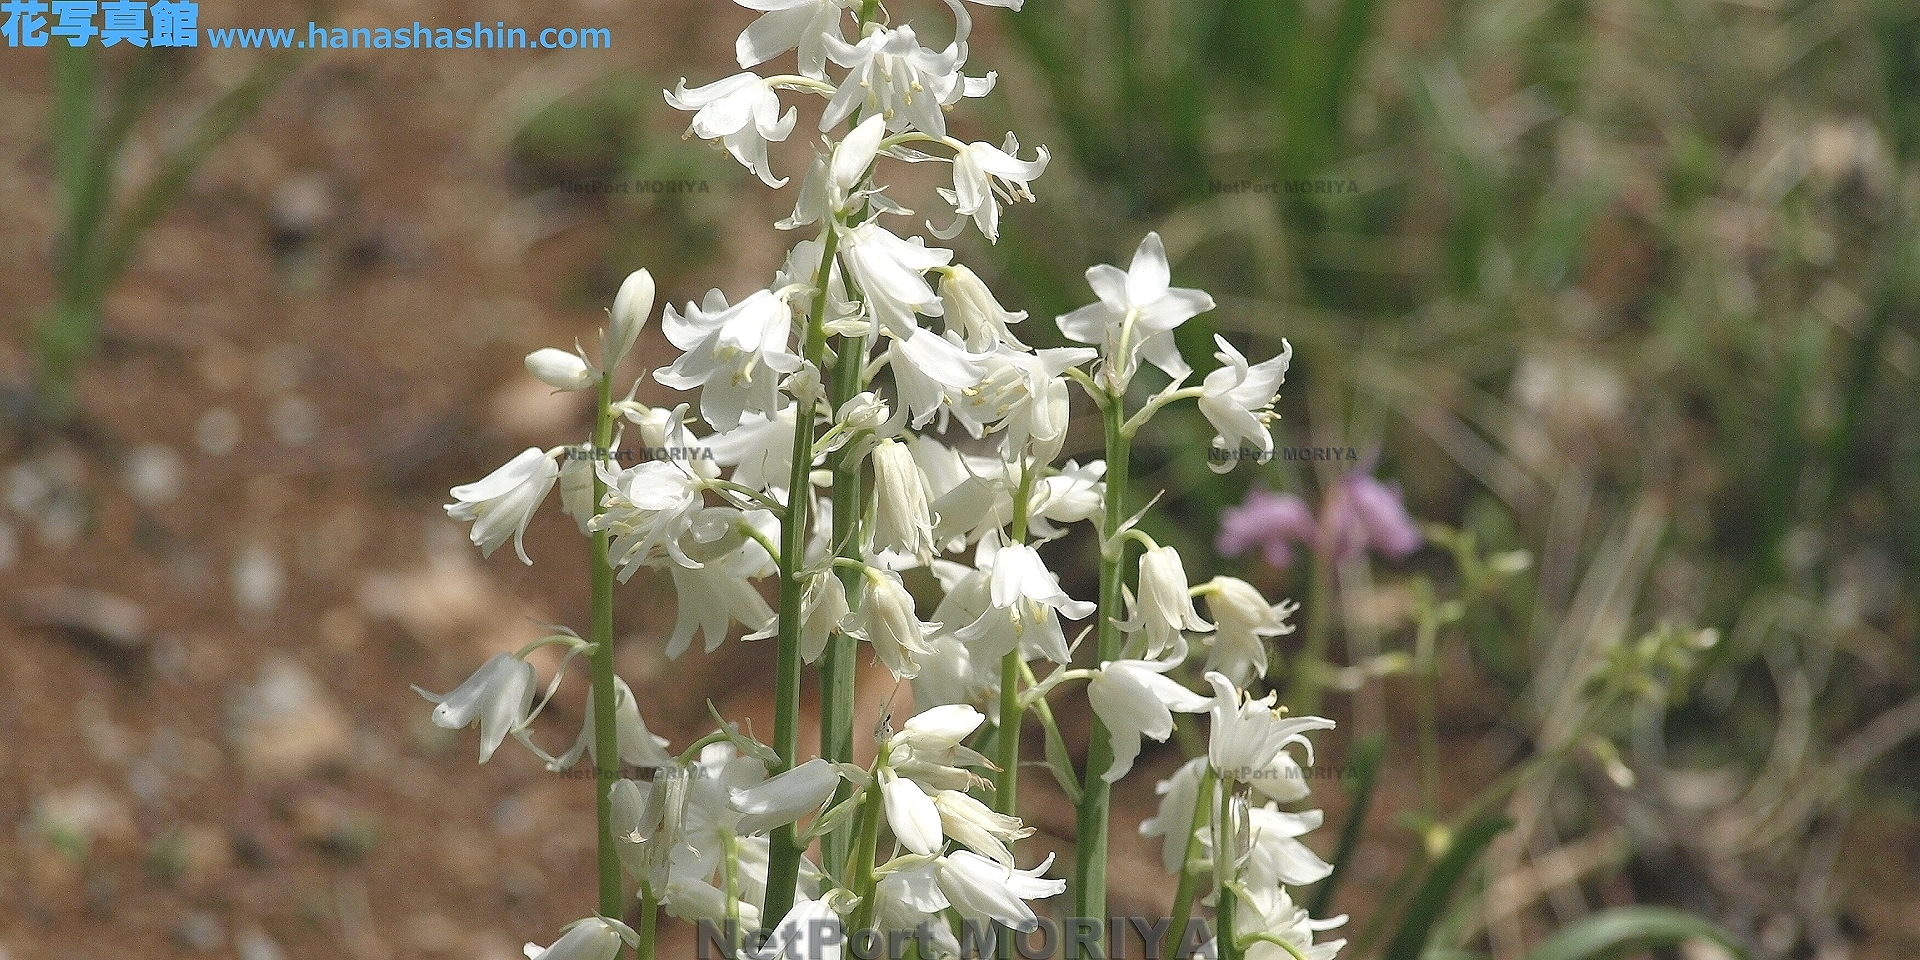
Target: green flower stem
1189,877
1007,783
1090,841
1223,870
860,866
606,737
649,920
840,666
783,859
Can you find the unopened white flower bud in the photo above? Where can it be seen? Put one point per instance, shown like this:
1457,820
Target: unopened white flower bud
559,369
631,307
902,520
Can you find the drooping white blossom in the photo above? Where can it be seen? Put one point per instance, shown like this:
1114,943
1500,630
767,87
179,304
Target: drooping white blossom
501,504
742,112
1238,400
1134,698
499,695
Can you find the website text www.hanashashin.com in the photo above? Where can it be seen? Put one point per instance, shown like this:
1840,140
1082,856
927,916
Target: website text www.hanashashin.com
176,23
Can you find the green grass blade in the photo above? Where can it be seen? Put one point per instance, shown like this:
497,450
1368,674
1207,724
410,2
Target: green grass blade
1430,903
1609,931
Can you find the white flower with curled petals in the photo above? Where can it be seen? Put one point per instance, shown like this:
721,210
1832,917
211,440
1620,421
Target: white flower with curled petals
1136,315
1133,699
789,24
890,75
984,176
648,507
891,273
1238,400
499,695
1248,734
978,827
742,112
1026,599
735,355
501,504
1245,620
973,312
983,890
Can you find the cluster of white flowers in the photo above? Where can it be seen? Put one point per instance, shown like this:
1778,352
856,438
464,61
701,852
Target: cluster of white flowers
849,372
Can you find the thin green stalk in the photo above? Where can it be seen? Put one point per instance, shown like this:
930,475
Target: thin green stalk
1223,873
840,666
606,736
1090,841
783,859
860,868
649,920
1189,877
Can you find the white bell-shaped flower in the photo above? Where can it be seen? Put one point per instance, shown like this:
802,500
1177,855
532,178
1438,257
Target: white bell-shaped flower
983,176
886,619
499,695
1244,621
1164,607
638,746
1238,400
735,355
902,521
978,826
742,112
1247,734
502,503
594,938
984,891
890,75
785,798
1133,699
790,24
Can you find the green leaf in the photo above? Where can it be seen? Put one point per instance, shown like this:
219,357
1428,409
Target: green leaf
1621,927
1427,906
